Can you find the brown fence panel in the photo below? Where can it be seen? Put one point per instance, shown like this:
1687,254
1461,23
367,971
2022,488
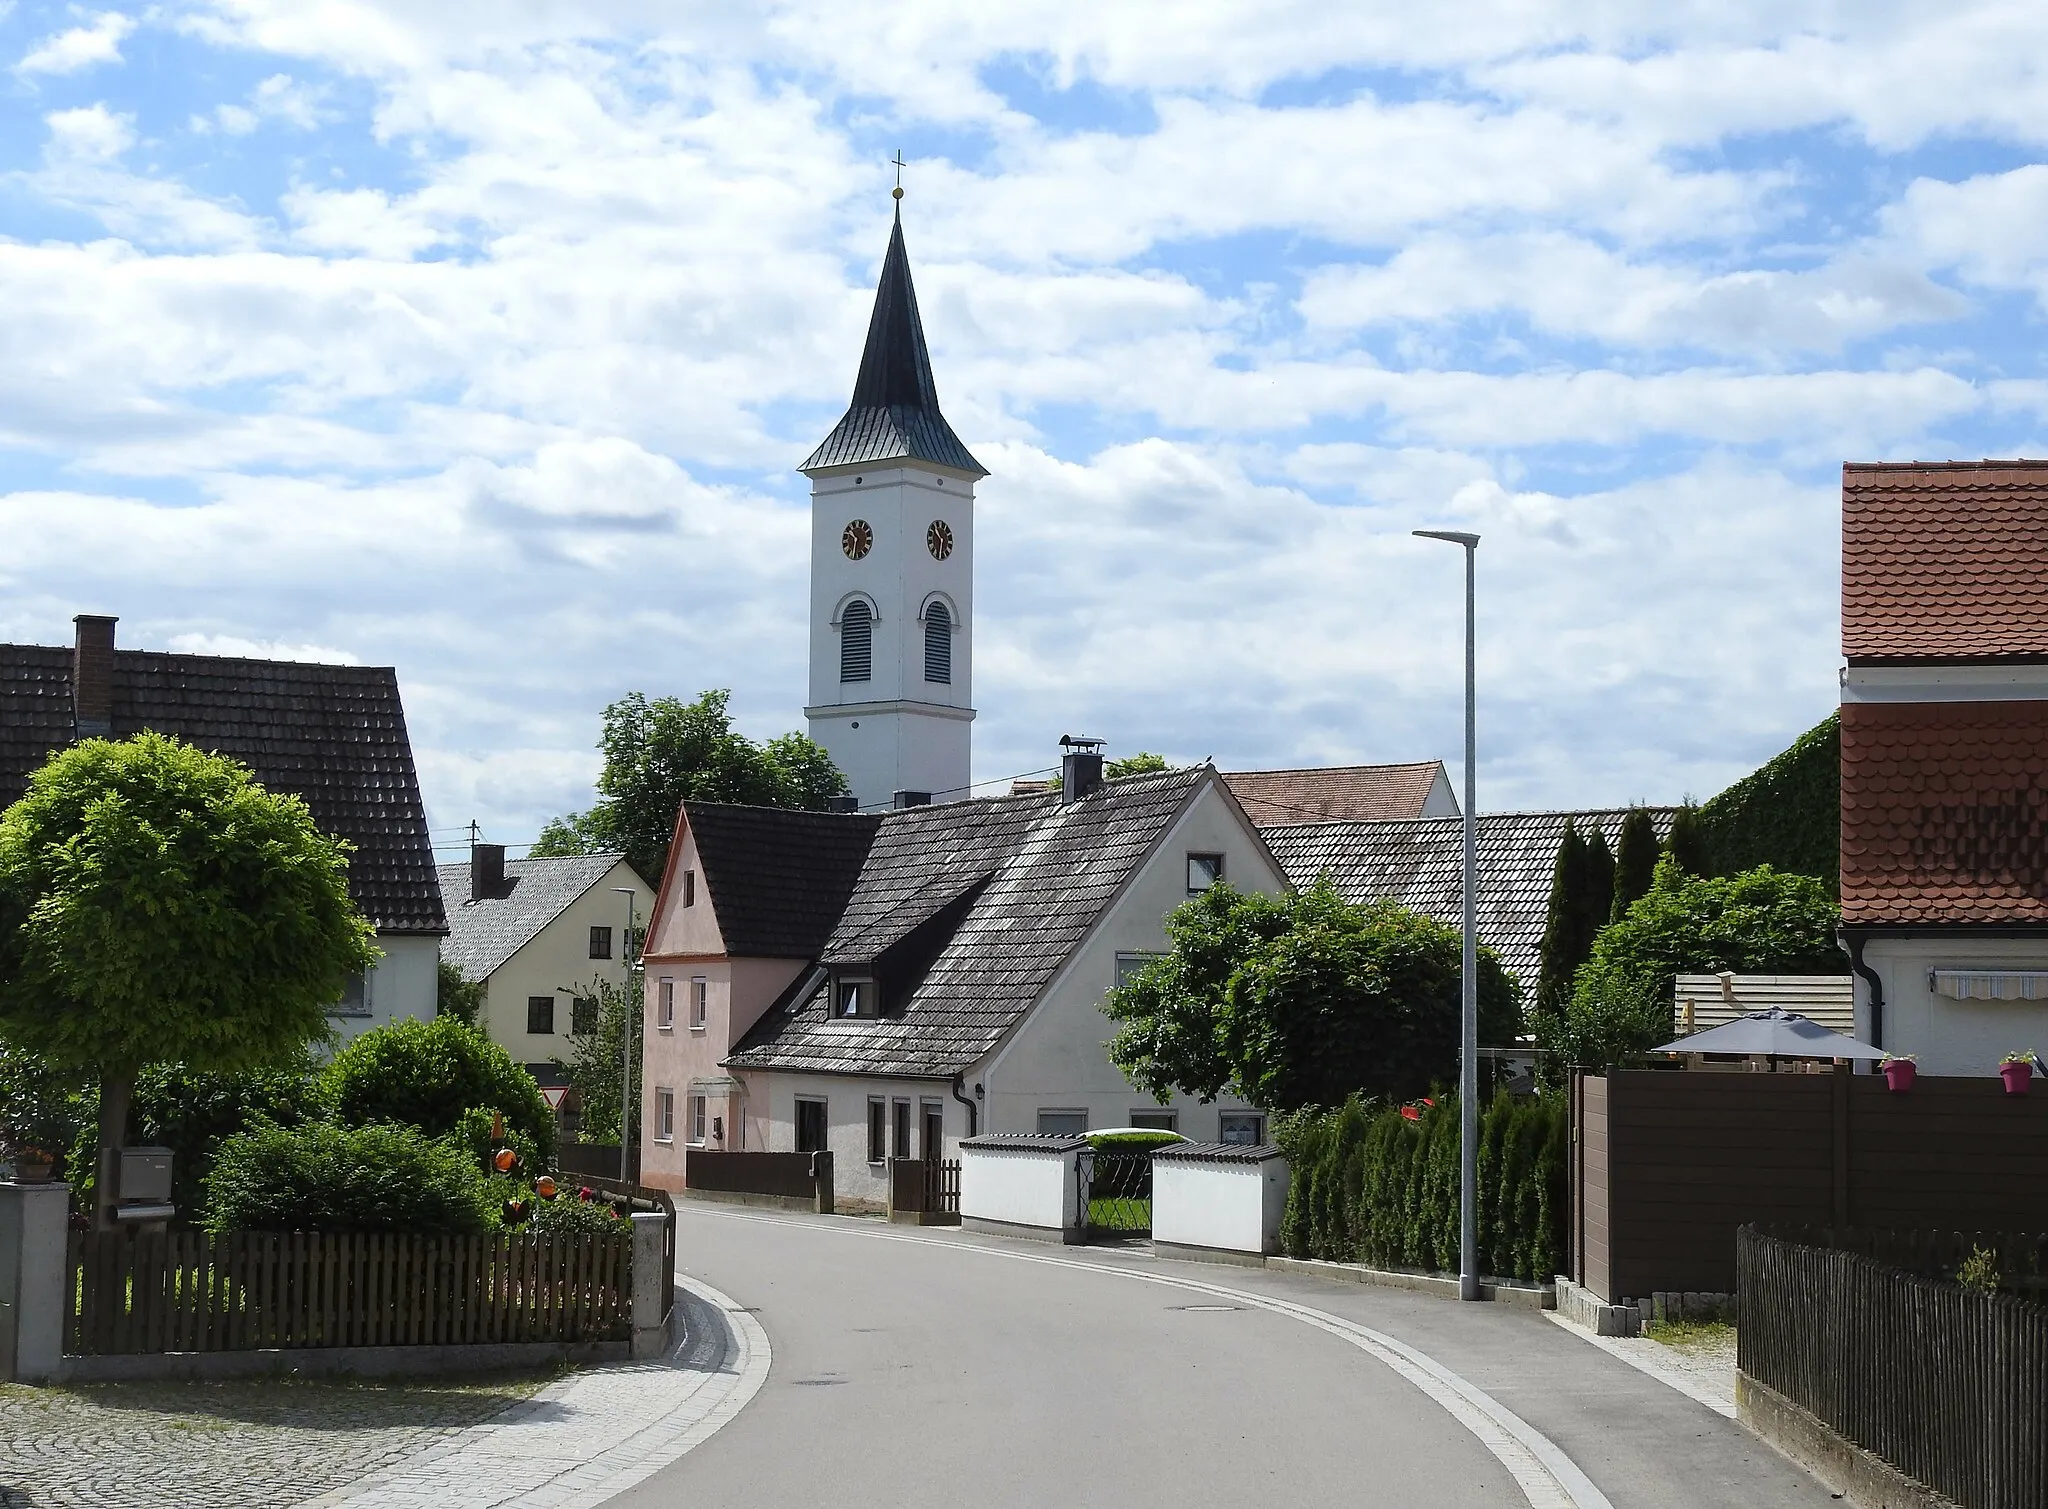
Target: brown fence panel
1948,1385
785,1174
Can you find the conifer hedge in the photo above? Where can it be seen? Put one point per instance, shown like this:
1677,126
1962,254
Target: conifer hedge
1369,1185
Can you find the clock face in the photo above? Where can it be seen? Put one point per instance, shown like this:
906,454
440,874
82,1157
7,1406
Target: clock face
939,539
858,539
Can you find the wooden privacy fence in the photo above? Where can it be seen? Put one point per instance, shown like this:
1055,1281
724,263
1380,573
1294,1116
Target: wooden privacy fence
926,1188
802,1177
1948,1385
188,1291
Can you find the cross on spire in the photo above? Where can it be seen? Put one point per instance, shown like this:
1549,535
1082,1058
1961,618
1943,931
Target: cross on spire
897,192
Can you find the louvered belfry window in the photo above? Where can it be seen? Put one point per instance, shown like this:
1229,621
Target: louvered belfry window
938,644
856,642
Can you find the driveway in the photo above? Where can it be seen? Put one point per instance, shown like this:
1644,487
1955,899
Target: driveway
934,1368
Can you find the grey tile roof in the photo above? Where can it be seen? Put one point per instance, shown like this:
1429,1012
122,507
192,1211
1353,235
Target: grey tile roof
1420,863
778,880
1335,793
1219,1152
895,414
1027,1142
483,934
332,734
1014,883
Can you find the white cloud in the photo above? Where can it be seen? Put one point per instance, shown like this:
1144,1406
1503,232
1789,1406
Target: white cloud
259,649
81,47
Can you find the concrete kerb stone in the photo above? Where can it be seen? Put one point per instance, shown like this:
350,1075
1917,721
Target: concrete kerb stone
1444,1286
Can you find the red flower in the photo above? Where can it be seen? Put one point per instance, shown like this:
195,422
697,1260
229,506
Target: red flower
586,1194
1411,1113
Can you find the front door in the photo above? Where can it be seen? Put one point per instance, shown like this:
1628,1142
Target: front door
934,1144
810,1126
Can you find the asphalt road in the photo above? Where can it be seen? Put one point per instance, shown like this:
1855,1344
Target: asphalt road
943,1370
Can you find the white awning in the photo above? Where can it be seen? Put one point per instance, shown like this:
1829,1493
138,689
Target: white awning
720,1084
1989,984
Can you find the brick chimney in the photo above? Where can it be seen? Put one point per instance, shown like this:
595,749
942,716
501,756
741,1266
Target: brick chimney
92,676
486,871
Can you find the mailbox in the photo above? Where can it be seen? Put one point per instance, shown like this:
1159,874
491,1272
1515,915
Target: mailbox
145,1176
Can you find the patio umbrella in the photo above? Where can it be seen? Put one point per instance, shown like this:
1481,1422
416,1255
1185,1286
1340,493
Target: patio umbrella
1782,1034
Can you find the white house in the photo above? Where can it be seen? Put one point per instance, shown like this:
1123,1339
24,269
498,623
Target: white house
332,734
538,933
884,984
1945,758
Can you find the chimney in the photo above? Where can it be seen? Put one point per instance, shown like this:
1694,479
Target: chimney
92,676
1080,767
486,871
903,799
842,804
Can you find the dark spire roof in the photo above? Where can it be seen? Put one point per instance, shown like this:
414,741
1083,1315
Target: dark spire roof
895,411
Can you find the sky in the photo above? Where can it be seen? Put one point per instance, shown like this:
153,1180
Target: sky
481,338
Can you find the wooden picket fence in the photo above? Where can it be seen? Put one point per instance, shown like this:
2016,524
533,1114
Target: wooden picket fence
188,1291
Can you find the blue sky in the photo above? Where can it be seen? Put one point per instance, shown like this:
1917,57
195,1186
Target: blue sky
481,339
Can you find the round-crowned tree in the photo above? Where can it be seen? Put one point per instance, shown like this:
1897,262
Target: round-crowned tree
427,1074
158,905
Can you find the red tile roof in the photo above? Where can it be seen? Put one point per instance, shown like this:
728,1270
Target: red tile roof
1944,812
1335,793
1945,560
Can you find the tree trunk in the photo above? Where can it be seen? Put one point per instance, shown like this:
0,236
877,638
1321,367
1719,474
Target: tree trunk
117,1090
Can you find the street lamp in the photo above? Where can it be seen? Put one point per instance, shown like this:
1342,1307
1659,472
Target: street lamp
626,1042
1468,1026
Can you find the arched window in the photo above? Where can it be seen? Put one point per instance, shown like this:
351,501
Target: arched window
856,641
938,644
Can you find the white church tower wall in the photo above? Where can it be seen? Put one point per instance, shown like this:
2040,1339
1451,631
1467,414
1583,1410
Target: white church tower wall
892,571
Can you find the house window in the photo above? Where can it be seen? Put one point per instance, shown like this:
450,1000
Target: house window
665,1005
689,888
878,1129
938,644
699,987
355,997
934,1128
1062,1123
583,1015
1242,1128
540,1013
1128,965
1152,1119
810,1125
856,642
899,1130
600,943
851,998
696,1121
664,1115
1204,871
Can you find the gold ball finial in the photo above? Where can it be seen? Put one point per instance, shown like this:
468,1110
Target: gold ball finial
897,192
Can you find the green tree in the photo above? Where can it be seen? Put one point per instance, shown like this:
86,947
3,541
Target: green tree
1635,860
1581,894
1759,922
1144,762
427,1075
157,905
593,1067
660,753
457,995
1686,846
1301,1000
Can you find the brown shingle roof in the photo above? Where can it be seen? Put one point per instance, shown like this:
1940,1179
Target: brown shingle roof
1944,812
332,734
1335,793
1945,560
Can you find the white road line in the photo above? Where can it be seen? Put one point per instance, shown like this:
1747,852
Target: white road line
1547,1477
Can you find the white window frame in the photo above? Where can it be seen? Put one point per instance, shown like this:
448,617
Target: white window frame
864,999
700,995
665,1005
1129,962
1258,1118
699,1120
1200,856
664,1114
1045,1111
878,1129
1163,1118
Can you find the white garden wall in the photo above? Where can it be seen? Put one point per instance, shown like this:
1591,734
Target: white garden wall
1023,1185
1224,1199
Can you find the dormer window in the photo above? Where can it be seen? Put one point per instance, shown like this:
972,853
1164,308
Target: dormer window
853,998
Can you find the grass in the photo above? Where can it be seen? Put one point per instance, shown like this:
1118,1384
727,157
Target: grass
1690,1333
1116,1213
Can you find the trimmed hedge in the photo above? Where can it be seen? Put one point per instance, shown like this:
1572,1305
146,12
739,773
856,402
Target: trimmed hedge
1369,1185
429,1075
1787,815
323,1177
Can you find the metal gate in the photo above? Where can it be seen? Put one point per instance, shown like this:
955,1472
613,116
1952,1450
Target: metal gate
1117,1192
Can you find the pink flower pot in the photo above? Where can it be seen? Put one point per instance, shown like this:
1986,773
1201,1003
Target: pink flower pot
2019,1078
1898,1075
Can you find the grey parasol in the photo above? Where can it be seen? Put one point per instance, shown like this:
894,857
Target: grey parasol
1782,1034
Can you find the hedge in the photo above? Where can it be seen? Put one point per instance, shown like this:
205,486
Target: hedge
429,1075
1788,814
323,1177
1371,1185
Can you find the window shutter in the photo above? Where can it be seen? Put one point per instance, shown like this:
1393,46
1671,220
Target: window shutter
938,644
856,642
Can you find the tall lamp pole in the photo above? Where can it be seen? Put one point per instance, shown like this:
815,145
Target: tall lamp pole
1468,1027
626,1036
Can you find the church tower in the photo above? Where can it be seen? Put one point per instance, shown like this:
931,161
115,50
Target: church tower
892,569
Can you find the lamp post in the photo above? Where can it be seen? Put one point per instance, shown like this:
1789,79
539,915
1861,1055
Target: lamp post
1468,1026
626,1036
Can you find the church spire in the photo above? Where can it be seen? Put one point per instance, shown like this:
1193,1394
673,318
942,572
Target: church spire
895,410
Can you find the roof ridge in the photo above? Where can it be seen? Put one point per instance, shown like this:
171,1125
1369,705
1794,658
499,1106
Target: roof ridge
1319,769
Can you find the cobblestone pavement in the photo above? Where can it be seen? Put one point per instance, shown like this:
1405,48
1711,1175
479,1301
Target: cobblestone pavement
230,1445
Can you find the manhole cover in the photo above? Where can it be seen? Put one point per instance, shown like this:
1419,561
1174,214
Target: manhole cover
1203,1309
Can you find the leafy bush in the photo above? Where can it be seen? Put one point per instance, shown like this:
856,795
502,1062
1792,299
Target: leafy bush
1759,922
565,1215
472,1133
325,1177
428,1074
1133,1142
1377,1186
